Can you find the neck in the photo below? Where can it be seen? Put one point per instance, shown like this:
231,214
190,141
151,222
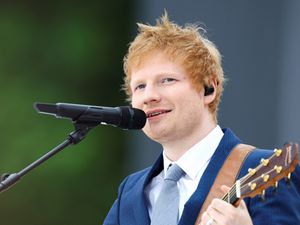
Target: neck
177,147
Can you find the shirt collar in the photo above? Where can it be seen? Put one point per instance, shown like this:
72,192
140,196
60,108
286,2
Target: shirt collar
198,155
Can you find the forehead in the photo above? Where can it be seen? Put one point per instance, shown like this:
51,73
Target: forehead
156,63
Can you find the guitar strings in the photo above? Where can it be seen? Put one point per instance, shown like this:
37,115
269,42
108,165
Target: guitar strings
256,179
232,191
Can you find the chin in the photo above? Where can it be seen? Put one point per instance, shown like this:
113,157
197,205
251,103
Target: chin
156,132
157,136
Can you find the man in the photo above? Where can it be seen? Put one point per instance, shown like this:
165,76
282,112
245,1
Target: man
174,74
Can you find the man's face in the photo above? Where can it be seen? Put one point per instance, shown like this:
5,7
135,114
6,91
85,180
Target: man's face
163,90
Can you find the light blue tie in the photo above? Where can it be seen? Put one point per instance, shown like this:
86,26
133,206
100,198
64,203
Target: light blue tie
165,210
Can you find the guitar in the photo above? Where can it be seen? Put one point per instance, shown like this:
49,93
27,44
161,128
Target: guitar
281,164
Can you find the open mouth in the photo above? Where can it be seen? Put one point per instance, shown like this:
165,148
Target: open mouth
153,114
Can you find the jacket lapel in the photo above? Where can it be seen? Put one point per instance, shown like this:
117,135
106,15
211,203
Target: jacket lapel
194,204
140,210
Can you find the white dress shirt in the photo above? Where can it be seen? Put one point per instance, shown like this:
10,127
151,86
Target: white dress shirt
193,162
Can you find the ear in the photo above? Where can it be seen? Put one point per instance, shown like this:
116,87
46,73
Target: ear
210,92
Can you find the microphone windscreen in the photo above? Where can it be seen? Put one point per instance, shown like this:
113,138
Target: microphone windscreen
132,118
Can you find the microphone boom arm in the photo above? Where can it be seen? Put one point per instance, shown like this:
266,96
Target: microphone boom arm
8,180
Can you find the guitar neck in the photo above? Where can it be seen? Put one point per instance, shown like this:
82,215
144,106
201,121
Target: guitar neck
232,196
266,174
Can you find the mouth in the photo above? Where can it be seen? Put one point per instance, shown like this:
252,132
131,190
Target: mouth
157,113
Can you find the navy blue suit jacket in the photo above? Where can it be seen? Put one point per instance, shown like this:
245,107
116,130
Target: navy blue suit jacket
280,208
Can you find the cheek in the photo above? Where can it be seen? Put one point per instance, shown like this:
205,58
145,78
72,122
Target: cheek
135,102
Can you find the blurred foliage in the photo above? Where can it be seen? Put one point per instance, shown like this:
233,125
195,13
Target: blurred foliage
60,51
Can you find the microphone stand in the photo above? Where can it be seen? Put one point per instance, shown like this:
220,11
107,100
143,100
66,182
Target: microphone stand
81,129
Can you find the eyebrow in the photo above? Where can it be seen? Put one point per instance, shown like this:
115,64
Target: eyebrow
158,76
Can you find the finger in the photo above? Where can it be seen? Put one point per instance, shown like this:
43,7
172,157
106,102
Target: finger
225,189
242,205
216,216
218,210
221,205
205,218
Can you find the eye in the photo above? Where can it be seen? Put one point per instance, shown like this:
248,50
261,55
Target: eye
168,80
139,87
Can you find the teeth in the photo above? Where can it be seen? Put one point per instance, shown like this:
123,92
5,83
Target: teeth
156,113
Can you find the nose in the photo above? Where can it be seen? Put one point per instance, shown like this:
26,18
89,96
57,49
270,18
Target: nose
151,95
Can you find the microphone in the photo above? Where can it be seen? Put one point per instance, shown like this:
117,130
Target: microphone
124,117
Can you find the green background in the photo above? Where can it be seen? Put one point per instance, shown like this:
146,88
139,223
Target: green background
60,51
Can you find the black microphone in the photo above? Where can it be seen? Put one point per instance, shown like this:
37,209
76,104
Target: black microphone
124,117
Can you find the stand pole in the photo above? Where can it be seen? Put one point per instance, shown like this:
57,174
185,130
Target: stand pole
7,180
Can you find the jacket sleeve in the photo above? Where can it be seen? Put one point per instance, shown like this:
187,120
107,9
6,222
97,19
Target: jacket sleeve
112,217
281,205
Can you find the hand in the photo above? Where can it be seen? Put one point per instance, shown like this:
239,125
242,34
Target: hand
220,212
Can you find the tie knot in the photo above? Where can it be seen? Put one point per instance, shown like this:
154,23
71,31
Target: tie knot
174,173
